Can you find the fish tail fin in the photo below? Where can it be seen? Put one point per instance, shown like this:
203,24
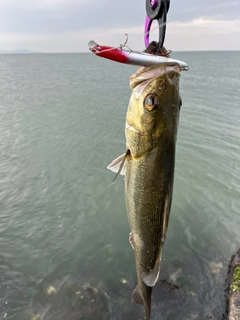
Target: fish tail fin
147,312
146,301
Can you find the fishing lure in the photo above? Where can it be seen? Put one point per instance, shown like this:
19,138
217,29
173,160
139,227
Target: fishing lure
125,55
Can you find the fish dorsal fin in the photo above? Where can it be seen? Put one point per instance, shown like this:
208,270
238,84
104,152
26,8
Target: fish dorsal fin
150,278
119,165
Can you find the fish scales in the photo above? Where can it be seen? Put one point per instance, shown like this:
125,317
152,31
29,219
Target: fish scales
146,194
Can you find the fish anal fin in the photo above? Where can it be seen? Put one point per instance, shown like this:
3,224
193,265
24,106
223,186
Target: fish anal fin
136,296
150,278
119,165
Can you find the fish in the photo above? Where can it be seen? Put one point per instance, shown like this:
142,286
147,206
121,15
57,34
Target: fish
148,165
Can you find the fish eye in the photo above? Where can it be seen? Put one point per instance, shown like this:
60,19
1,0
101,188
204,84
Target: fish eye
151,102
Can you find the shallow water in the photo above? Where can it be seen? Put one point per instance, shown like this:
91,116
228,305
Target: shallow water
64,225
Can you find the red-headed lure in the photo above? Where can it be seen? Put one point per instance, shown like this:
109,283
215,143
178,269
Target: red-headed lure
136,58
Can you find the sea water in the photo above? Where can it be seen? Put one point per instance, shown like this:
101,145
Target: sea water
64,250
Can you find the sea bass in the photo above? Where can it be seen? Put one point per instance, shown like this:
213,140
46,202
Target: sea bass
148,164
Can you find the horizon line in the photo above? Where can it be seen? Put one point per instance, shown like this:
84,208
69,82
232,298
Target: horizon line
79,52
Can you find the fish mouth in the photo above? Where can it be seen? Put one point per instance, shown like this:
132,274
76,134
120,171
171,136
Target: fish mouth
130,127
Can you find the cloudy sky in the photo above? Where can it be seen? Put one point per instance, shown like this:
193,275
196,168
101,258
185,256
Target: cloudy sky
68,25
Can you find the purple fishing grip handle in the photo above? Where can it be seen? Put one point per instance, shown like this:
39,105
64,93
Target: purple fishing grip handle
148,23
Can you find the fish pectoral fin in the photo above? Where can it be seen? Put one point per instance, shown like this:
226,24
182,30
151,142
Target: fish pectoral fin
131,240
150,278
116,164
119,165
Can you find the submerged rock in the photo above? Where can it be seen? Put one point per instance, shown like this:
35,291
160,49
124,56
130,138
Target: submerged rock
51,290
36,317
69,299
215,267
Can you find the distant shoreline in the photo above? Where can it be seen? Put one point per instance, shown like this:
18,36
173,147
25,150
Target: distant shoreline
27,52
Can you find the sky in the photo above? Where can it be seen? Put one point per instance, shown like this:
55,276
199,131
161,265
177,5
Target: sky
68,25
